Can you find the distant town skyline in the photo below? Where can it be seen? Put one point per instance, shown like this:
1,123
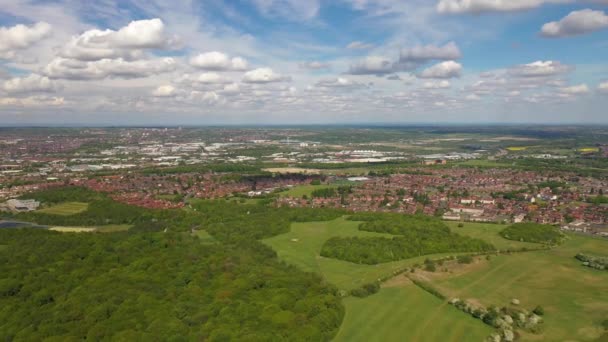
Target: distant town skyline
261,62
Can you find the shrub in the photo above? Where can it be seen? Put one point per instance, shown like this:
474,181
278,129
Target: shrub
429,266
539,310
365,290
464,259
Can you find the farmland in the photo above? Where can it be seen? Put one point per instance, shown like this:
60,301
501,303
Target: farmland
550,278
302,247
65,209
490,233
304,190
403,311
407,313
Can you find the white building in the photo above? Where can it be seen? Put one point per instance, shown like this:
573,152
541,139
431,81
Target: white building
22,205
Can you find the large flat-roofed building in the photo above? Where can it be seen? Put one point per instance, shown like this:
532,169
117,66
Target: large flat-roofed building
22,205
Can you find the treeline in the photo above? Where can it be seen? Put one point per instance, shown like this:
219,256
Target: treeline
231,221
102,210
218,167
599,263
533,232
331,192
156,286
415,235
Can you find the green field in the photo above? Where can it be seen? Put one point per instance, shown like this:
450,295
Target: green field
575,298
204,236
301,190
65,209
110,228
407,313
302,247
489,232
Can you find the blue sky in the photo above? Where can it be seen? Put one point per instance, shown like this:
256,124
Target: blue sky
303,61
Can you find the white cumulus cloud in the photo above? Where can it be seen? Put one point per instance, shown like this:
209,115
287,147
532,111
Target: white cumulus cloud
358,45
107,68
426,53
539,69
29,84
164,91
372,65
575,90
264,75
125,43
218,61
443,84
576,23
447,69
480,6
21,36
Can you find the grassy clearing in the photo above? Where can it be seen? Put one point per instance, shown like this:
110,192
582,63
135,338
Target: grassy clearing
292,170
407,313
110,228
589,149
299,191
575,298
73,229
65,209
489,232
3,247
204,236
302,247
517,148
483,163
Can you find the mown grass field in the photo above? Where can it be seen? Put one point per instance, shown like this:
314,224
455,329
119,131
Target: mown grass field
299,191
302,247
407,313
65,209
575,298
489,232
110,228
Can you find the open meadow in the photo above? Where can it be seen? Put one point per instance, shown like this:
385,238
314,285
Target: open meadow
407,313
489,233
574,297
65,209
302,247
110,228
302,190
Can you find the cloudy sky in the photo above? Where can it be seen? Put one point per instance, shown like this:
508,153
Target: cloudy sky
113,62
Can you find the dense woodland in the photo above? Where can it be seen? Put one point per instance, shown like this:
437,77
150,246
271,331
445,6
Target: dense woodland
533,232
158,281
414,236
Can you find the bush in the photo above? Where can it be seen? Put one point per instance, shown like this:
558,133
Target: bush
539,310
365,290
429,288
464,259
